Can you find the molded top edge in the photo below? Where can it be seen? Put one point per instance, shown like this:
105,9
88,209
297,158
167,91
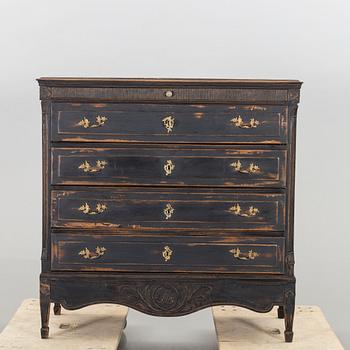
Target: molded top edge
144,82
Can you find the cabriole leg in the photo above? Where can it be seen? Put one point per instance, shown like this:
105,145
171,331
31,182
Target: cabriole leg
45,308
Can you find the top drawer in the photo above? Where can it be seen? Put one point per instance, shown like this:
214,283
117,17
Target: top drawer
122,122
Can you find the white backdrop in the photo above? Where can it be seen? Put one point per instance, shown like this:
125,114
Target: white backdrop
300,39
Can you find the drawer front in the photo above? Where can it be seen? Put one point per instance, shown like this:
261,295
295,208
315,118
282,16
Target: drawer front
168,209
116,122
241,167
110,253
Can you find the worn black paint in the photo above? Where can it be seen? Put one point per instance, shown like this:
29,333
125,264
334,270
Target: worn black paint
193,209
144,122
134,143
196,166
189,254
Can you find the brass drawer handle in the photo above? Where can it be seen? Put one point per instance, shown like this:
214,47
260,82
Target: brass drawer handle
87,254
168,211
252,169
100,121
237,210
237,254
169,166
169,123
167,253
88,168
239,123
100,208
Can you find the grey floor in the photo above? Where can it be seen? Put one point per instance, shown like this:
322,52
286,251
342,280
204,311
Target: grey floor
18,281
195,332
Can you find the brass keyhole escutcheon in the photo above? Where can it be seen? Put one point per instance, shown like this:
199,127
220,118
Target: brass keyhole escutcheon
167,253
169,123
168,211
169,166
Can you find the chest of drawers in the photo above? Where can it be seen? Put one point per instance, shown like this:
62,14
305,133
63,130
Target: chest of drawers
168,195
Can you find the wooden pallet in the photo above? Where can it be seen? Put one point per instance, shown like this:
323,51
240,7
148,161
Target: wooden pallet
239,328
97,327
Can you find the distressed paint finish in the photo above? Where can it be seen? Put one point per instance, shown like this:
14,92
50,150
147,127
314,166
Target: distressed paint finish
195,166
118,228
144,208
192,123
188,254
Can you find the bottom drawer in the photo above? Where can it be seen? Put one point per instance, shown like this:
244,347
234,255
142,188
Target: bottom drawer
76,252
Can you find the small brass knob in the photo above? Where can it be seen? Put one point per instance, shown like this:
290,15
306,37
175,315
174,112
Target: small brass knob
169,93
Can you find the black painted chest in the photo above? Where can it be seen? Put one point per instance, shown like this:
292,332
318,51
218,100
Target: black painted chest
168,195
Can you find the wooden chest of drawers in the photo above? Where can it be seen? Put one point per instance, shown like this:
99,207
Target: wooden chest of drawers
168,195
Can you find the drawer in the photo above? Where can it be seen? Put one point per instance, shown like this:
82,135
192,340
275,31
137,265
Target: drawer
141,208
120,122
169,165
112,253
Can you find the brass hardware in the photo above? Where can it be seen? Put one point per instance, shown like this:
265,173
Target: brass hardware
237,210
88,168
238,122
168,211
167,253
100,208
100,121
252,169
87,254
169,123
169,166
237,254
169,93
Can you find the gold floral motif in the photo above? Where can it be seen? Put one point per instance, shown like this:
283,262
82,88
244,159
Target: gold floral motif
237,210
87,254
100,208
88,168
239,123
85,122
237,254
252,169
